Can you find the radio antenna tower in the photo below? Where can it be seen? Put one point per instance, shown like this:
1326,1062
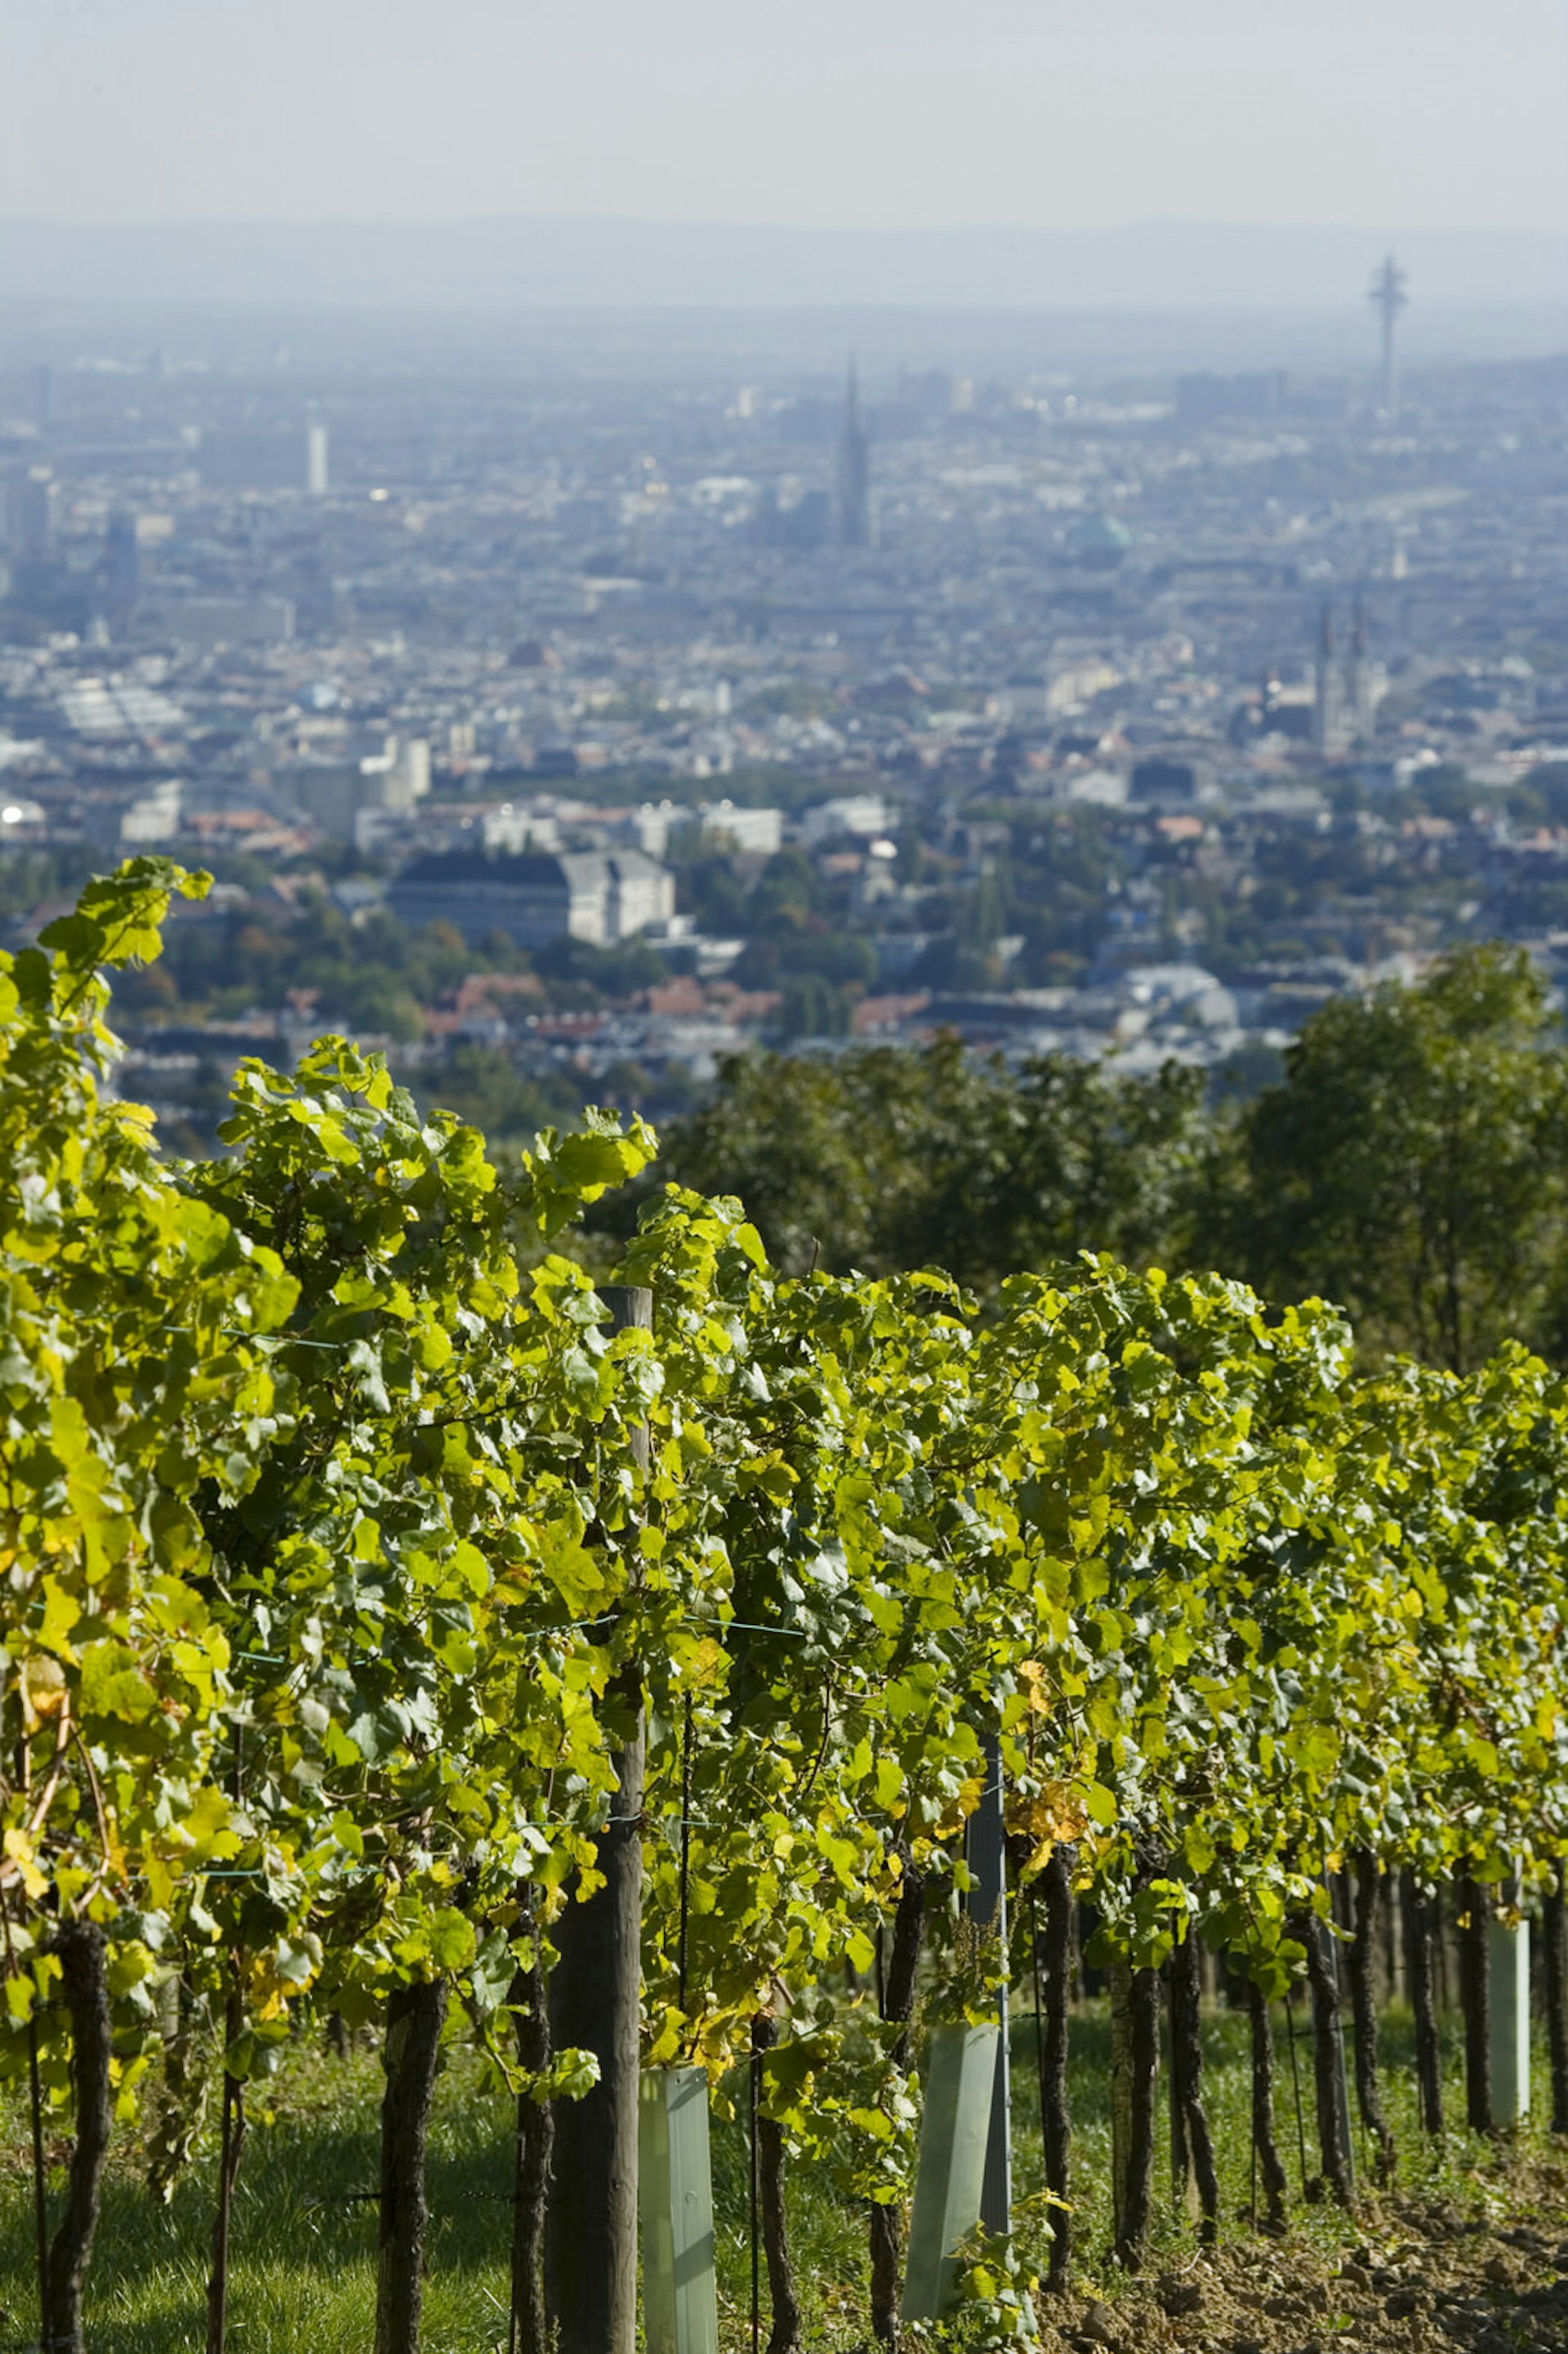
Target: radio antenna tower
1388,297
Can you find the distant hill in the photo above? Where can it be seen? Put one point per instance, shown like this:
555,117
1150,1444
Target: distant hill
507,264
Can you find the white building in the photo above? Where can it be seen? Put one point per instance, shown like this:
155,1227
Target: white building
134,822
335,794
598,896
1078,679
759,831
864,815
513,826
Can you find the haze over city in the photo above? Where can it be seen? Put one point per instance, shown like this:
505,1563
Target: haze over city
781,494
881,113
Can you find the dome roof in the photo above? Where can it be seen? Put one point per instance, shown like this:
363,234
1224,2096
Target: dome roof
1099,539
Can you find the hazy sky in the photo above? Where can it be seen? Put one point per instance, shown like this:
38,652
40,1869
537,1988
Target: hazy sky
1386,114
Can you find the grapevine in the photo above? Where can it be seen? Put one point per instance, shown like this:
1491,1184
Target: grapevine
346,1542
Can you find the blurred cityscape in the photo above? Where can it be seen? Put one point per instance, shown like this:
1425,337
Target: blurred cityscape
563,726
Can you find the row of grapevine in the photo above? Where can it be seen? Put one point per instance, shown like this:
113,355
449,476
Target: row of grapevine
379,1608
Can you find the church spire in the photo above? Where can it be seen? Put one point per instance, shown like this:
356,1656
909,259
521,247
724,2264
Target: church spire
1329,706
857,526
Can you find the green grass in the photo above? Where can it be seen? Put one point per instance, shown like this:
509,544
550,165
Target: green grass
304,2264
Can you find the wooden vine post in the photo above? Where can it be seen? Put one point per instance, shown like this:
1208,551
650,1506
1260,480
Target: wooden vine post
529,2327
233,2138
1053,1975
1197,2179
1554,1958
1421,1918
1330,2082
1475,1910
1135,2073
410,2054
1508,1972
596,2005
82,1953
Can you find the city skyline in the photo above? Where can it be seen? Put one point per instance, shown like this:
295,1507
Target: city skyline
1493,289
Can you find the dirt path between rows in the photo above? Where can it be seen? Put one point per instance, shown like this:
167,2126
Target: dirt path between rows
1425,2277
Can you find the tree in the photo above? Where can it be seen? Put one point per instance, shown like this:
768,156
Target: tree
1408,1164
812,1008
884,1159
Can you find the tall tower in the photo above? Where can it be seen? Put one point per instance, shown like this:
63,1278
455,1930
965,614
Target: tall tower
856,523
1388,297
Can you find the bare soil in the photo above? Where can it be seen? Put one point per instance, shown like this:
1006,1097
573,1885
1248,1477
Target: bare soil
1425,2277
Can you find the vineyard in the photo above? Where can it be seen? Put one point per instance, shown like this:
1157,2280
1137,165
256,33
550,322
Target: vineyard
632,1691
